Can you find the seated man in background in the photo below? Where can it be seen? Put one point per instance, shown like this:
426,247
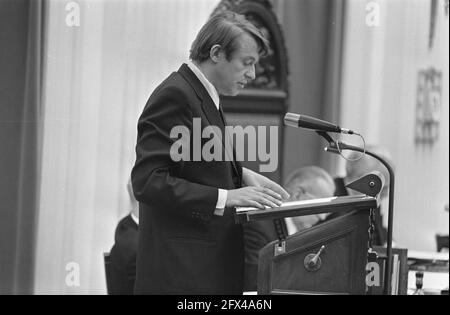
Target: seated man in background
123,253
309,182
359,168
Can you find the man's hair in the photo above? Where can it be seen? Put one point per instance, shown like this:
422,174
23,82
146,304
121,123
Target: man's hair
311,180
224,29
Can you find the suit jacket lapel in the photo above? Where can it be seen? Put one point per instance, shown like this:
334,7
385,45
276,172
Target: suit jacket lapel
208,106
210,110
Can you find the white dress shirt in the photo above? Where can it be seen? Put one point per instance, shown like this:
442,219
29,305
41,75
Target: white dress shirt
135,218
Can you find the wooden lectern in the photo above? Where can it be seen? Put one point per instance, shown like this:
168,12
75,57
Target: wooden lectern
329,258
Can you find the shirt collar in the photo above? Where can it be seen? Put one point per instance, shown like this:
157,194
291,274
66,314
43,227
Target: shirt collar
135,218
208,85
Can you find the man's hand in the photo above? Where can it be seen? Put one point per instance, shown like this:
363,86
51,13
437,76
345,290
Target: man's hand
258,197
251,178
259,193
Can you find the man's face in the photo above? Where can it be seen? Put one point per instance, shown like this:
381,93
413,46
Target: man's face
233,74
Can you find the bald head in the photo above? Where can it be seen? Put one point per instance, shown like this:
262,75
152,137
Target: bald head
310,182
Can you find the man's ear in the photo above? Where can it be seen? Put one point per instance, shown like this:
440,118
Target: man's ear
215,53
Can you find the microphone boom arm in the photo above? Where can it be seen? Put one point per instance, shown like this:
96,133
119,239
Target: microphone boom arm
337,147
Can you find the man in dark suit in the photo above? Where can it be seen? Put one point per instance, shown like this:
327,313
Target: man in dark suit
188,241
123,253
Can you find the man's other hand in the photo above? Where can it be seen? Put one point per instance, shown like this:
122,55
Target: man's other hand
251,178
252,196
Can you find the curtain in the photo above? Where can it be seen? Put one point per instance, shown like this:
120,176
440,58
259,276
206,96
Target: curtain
98,77
20,135
379,96
332,75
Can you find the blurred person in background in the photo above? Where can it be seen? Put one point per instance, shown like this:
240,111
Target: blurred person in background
309,182
123,252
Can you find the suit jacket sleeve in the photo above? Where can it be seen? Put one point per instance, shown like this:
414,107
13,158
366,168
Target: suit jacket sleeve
156,177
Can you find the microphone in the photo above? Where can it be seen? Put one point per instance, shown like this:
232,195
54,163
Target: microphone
303,121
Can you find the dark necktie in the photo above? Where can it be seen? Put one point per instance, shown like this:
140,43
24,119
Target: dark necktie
238,182
222,115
